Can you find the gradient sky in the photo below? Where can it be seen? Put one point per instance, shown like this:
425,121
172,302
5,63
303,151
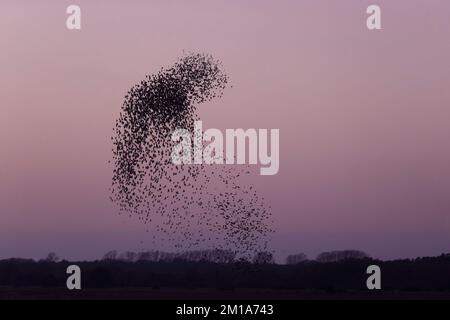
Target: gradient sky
364,117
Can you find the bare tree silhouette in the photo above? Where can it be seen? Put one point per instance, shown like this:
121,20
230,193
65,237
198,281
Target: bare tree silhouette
296,258
335,256
52,257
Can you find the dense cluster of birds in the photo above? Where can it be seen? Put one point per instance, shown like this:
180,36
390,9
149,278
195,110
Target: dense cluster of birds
189,205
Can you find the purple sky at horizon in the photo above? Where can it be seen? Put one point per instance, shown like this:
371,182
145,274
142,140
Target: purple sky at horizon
363,116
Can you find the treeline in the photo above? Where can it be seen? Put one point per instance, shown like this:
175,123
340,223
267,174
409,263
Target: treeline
219,256
214,255
336,273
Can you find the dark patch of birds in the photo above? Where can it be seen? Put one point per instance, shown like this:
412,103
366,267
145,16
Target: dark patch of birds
189,206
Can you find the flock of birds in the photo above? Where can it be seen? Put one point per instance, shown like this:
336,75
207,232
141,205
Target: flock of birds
190,206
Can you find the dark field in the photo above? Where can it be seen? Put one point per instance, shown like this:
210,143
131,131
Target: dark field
208,294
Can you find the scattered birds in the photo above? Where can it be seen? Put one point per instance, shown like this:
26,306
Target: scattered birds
197,205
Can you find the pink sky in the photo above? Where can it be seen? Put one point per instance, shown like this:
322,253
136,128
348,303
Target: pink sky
364,117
